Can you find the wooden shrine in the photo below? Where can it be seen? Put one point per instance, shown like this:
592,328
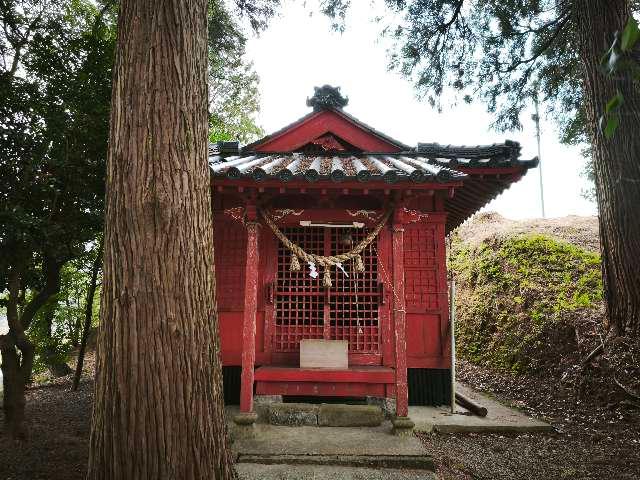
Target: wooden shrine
329,229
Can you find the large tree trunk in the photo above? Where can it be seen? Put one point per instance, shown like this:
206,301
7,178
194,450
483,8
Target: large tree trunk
616,162
158,410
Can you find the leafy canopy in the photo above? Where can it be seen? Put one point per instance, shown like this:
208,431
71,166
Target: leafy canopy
502,52
55,84
56,60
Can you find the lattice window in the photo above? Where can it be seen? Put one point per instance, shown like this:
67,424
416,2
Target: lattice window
353,300
419,246
299,298
420,267
347,311
230,248
420,288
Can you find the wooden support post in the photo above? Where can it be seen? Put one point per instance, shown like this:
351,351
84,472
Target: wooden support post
402,394
250,307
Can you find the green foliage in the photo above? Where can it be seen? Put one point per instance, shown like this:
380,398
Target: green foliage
234,99
57,328
515,292
621,59
55,87
501,52
56,59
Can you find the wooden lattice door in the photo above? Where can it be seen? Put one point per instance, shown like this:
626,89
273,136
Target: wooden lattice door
348,310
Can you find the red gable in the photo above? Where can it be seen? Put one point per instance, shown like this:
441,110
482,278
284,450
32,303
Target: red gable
320,123
328,125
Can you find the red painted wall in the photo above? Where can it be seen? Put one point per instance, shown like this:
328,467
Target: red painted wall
425,291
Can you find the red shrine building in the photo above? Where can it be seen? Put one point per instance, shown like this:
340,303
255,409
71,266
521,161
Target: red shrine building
329,229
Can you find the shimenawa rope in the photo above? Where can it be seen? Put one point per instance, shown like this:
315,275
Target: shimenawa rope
326,261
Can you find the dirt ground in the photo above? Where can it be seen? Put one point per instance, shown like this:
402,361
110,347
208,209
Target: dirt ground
58,422
590,443
579,231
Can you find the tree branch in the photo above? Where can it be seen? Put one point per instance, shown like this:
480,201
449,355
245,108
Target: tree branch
454,17
626,389
51,268
545,46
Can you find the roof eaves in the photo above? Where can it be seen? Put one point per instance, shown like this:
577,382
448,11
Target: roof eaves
497,153
250,147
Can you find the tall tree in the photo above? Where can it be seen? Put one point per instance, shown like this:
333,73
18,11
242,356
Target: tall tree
53,126
505,52
158,410
88,313
56,58
234,98
616,160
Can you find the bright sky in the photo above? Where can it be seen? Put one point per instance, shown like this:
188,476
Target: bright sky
299,51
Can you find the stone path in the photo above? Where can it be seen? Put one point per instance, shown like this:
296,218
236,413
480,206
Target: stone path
499,419
275,452
359,453
372,441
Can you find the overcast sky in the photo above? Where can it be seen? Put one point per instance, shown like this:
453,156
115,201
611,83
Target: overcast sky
299,51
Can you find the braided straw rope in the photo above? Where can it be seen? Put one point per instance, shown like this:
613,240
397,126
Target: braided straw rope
326,261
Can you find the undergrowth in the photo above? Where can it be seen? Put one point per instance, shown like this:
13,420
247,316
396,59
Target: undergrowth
519,297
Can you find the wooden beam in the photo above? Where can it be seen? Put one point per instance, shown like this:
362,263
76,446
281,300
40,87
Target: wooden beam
250,308
399,318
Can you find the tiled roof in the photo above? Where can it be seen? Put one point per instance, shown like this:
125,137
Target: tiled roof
390,168
497,154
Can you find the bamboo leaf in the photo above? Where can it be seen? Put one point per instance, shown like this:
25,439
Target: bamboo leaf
630,35
611,127
614,103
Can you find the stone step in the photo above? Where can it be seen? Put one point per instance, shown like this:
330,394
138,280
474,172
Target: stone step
322,415
412,462
257,471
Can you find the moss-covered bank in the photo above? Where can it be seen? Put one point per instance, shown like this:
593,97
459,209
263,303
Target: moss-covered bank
518,298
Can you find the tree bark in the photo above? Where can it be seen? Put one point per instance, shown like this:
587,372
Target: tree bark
616,161
158,409
17,362
16,349
88,314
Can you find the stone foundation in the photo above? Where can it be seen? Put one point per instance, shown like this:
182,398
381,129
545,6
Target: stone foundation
387,405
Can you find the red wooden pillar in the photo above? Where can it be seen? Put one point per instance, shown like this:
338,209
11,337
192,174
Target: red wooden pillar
399,317
250,307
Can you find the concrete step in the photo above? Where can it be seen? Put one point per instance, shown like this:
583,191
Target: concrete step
410,462
257,471
322,415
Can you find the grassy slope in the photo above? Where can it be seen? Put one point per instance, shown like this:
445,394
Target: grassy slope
525,297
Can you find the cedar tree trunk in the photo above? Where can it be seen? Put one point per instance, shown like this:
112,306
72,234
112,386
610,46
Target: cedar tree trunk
616,162
158,409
